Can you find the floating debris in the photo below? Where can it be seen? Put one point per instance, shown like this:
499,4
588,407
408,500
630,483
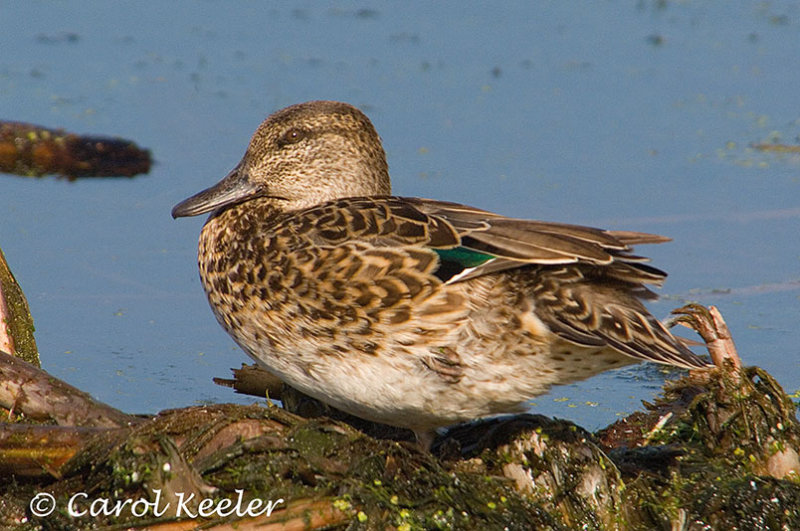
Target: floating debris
34,151
777,148
67,37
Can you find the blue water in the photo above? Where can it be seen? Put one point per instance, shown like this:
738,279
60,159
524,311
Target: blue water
637,115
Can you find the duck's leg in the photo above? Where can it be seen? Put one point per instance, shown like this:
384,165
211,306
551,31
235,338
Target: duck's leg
425,439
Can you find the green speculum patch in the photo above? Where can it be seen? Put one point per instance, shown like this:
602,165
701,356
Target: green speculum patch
454,261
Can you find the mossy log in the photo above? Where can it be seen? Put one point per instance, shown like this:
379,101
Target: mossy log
715,451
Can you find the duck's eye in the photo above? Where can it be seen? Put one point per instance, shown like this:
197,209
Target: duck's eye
292,136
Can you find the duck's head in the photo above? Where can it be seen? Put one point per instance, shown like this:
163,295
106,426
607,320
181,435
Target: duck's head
301,156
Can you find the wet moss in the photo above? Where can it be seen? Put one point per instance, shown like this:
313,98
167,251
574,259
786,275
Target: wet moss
718,453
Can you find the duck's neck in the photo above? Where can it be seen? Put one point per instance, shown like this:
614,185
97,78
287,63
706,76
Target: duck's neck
231,234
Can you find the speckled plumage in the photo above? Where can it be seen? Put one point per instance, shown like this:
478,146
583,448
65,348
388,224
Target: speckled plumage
411,312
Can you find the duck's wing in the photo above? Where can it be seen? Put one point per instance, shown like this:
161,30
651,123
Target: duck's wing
586,282
589,285
471,242
488,243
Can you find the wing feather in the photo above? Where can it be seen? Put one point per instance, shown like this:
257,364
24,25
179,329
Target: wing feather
585,282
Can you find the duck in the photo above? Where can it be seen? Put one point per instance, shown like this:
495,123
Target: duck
412,312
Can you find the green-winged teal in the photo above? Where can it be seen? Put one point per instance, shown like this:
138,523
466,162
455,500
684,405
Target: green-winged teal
411,312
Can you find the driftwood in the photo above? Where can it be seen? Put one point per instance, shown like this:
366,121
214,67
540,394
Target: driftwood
32,150
718,450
